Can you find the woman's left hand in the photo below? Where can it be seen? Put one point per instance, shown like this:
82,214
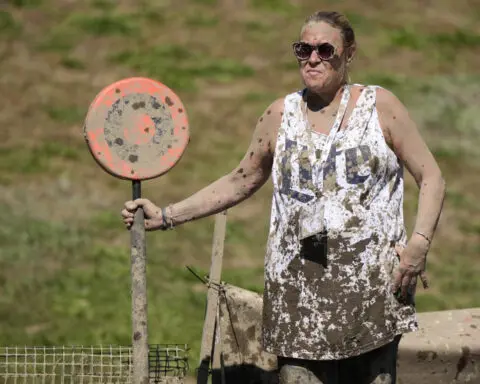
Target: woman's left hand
413,259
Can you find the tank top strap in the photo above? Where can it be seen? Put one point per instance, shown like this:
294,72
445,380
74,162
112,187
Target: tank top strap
361,114
364,106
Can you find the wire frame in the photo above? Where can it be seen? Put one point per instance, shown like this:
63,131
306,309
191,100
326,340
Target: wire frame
168,363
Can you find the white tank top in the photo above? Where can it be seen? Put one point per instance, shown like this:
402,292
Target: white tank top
329,296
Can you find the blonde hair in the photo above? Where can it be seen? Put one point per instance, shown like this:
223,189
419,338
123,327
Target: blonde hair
336,20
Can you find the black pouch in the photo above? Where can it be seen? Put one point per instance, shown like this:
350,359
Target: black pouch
314,248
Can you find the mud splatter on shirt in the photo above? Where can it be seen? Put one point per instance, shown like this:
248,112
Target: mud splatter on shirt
329,296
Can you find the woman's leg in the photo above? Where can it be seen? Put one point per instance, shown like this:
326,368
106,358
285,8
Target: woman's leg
375,367
298,371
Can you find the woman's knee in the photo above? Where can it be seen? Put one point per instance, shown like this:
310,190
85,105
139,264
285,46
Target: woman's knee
293,374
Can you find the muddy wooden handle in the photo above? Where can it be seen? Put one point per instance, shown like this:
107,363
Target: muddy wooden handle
139,294
210,327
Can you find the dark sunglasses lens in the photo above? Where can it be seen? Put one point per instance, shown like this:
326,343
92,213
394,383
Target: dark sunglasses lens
302,51
325,51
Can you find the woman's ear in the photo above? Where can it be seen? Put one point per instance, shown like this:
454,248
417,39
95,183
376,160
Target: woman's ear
351,53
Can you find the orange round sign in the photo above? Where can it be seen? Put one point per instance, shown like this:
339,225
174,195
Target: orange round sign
137,128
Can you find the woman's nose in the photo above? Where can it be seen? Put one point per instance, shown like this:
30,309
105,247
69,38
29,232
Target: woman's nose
314,57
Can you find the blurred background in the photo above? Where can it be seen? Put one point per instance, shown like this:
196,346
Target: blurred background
64,254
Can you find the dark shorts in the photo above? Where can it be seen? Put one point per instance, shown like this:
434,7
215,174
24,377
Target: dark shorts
375,367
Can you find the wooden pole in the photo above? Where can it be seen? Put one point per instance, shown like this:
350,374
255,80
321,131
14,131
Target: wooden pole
139,294
208,334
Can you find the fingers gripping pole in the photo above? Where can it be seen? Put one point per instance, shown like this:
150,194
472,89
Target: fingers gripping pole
139,294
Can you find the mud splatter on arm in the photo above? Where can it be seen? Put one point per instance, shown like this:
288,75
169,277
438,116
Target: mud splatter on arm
242,182
403,137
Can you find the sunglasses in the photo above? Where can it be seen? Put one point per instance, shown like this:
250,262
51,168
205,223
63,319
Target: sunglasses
303,51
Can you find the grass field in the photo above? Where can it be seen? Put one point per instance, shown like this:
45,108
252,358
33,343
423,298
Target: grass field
64,255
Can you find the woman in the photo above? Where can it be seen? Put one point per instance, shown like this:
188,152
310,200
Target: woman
340,274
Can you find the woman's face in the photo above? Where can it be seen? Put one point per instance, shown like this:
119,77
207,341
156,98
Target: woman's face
321,75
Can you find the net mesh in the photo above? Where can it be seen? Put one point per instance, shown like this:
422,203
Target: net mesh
168,363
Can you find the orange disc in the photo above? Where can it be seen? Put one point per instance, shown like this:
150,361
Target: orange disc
137,128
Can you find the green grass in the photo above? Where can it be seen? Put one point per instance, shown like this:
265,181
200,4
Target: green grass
446,153
451,286
390,81
201,20
470,227
104,5
459,39
152,14
438,43
205,2
105,221
247,278
72,63
257,97
19,160
61,38
25,3
256,26
180,67
259,100
458,199
407,38
360,22
276,6
72,29
105,24
66,114
432,302
9,27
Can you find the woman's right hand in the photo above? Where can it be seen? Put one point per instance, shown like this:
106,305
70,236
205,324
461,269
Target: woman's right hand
153,214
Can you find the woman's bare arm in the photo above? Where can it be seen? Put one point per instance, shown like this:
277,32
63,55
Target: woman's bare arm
403,136
242,182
